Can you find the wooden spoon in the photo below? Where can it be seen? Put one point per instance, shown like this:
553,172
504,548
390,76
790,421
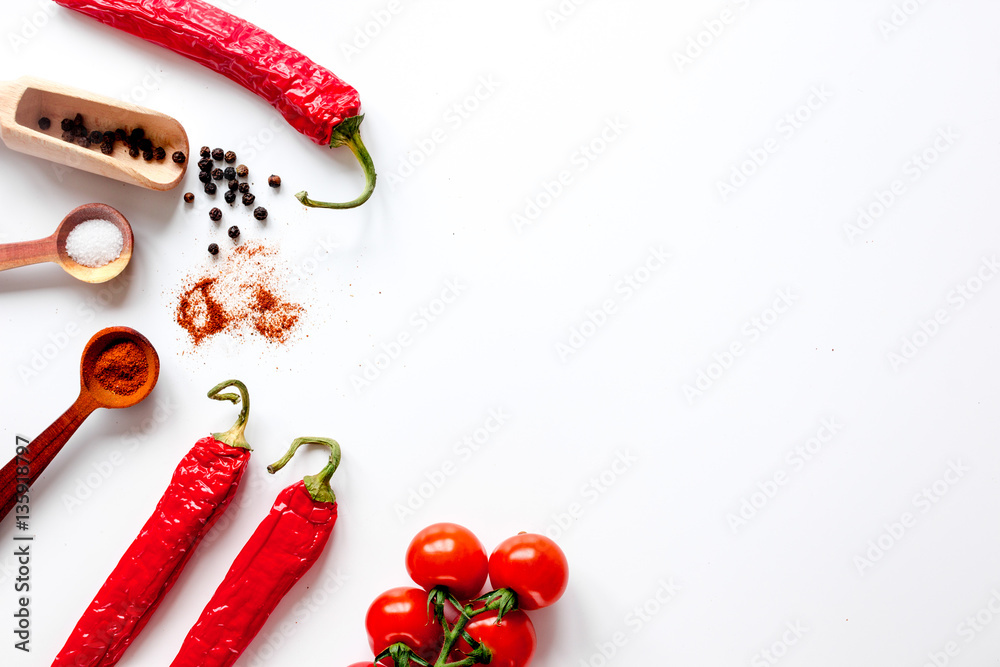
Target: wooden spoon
24,101
28,465
53,248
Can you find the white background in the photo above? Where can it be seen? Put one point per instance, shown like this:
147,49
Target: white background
671,98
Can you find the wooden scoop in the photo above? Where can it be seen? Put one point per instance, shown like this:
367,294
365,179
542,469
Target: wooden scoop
24,101
29,464
53,248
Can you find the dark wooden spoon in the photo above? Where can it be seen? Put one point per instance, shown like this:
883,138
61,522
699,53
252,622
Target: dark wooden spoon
93,395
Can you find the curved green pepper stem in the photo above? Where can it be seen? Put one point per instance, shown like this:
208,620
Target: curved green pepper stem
234,436
318,485
347,133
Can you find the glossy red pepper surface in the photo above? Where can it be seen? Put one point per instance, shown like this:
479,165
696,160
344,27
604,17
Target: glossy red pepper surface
310,97
281,550
201,488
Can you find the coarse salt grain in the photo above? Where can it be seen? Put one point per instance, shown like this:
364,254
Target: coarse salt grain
95,243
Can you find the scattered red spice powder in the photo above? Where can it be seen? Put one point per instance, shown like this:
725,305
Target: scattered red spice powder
240,295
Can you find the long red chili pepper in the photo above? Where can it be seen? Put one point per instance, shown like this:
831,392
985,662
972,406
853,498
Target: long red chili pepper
199,492
280,551
310,97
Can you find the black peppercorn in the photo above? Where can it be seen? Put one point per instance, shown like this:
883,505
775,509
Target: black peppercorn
242,171
44,123
230,157
145,145
260,213
79,131
107,147
109,137
217,174
234,185
66,125
215,214
147,156
96,136
248,199
210,188
133,151
159,153
213,248
204,176
178,157
120,135
205,151
229,173
218,153
274,181
244,187
234,231
78,119
205,164
230,196
83,141
138,134
189,197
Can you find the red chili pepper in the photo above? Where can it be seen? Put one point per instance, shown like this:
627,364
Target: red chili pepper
310,97
281,550
199,492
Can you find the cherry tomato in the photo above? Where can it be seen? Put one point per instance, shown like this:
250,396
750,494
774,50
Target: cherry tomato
511,642
533,566
401,615
446,554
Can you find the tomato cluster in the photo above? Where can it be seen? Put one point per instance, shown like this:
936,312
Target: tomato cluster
448,619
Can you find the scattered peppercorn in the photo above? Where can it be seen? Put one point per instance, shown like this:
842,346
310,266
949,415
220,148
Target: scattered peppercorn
120,135
230,196
234,185
244,187
96,136
67,135
79,131
78,119
217,174
215,214
204,177
213,248
234,231
260,213
133,151
109,137
230,157
242,171
107,147
248,199
145,145
205,151
205,164
159,153
178,157
218,154
229,173
44,123
83,141
189,197
274,181
210,188
138,134
66,124
147,156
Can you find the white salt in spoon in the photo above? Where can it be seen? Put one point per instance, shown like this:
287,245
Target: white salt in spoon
53,248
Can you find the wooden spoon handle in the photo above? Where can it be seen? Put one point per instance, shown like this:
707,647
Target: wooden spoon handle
13,255
42,450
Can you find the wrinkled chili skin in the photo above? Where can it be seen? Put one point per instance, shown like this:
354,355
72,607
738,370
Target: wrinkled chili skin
284,546
310,97
201,488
